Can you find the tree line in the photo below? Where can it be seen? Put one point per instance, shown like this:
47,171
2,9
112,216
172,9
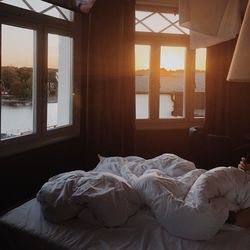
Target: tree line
17,82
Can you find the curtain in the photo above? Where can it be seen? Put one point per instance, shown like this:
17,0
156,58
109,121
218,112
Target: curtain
217,88
110,103
210,22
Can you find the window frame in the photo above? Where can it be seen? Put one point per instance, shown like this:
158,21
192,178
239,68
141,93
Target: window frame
43,24
156,40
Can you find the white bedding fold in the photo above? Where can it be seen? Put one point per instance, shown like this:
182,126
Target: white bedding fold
188,202
107,197
196,205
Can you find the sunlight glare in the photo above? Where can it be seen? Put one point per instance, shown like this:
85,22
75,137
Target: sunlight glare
142,57
173,58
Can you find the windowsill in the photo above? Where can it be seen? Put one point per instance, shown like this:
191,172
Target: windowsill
24,143
167,124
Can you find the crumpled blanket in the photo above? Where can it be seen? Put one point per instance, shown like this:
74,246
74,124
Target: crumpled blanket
97,198
188,202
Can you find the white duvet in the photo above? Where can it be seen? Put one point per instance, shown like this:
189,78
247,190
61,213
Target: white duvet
96,198
188,202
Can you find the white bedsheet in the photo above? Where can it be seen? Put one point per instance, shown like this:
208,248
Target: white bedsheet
141,232
186,207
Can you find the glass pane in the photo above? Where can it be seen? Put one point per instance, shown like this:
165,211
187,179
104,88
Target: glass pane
172,82
42,7
142,62
200,74
59,96
142,14
141,28
175,28
158,22
17,81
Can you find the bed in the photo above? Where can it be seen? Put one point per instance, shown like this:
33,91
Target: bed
137,224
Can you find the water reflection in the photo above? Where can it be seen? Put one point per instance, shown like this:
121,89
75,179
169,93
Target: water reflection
18,120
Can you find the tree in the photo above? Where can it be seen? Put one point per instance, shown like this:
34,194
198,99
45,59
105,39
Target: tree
25,73
8,76
17,81
52,82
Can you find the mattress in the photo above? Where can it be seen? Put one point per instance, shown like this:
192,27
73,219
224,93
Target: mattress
25,228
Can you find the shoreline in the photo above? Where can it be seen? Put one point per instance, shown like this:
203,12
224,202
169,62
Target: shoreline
15,102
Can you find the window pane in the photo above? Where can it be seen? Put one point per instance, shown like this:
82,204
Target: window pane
142,62
200,73
42,7
59,105
17,81
172,82
158,22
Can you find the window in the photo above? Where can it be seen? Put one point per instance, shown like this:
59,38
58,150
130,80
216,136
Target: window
42,7
39,88
158,22
17,82
172,82
59,94
199,94
170,77
142,58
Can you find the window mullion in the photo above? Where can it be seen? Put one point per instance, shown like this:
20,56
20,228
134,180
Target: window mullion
154,82
0,78
40,80
190,84
45,82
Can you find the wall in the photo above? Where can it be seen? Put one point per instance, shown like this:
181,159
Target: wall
228,109
23,174
150,143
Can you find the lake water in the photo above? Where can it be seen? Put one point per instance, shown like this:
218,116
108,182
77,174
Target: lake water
142,106
16,120
19,119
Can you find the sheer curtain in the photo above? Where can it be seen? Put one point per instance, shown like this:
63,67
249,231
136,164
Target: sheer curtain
218,90
210,22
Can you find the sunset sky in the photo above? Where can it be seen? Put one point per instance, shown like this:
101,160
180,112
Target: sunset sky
172,58
18,43
17,46
21,53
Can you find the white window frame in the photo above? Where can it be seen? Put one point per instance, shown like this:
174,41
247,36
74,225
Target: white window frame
43,25
156,40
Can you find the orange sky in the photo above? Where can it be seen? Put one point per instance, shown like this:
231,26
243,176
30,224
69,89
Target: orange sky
172,58
21,53
17,46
